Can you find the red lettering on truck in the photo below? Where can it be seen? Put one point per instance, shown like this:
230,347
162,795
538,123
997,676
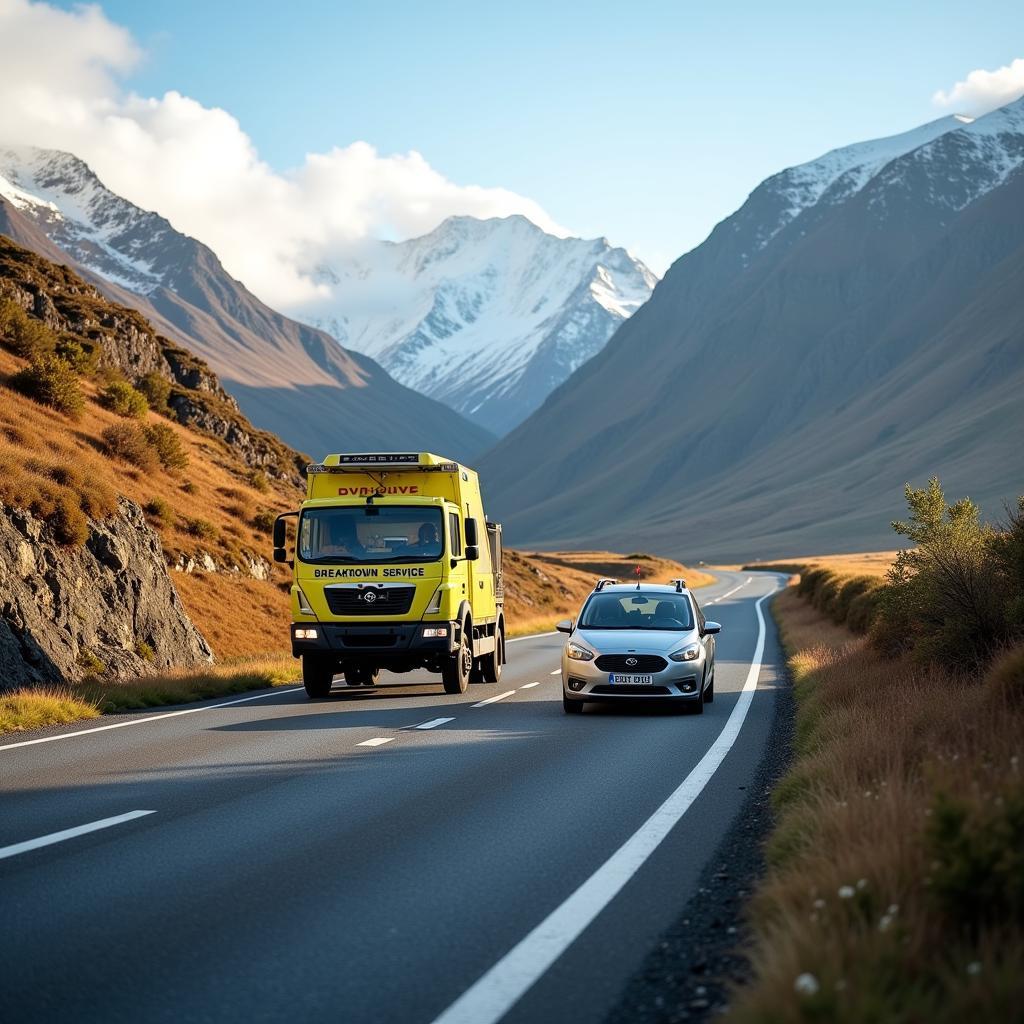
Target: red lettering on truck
365,492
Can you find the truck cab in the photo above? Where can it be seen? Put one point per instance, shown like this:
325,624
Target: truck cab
395,567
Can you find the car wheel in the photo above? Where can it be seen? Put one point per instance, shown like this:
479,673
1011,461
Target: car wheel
697,706
317,675
572,707
709,692
456,670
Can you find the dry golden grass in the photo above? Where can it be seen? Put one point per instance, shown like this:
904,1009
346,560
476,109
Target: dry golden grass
543,587
34,709
878,907
866,563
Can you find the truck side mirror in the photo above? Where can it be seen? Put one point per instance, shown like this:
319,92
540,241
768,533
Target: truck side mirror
280,555
471,536
279,536
472,552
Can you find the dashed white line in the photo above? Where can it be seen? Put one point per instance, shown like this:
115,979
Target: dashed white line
731,592
70,833
500,988
528,686
557,672
149,718
377,741
492,700
434,723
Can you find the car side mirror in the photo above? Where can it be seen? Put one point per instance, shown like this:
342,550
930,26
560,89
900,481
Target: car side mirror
712,627
565,626
472,552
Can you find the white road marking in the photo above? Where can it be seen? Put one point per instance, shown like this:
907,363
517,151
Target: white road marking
434,723
731,592
532,636
492,700
149,718
377,741
70,833
528,686
494,994
557,672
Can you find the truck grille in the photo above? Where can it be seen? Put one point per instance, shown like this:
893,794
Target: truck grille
617,663
356,601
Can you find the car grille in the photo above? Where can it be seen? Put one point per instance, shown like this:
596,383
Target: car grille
386,600
617,663
630,689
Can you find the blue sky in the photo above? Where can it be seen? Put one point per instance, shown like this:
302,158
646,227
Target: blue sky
646,122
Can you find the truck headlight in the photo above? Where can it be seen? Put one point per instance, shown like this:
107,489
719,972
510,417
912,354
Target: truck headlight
578,653
432,631
305,634
691,652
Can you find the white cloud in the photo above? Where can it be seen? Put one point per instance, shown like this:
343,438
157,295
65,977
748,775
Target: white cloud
60,87
982,91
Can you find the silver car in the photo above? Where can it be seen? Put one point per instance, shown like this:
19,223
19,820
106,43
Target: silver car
639,641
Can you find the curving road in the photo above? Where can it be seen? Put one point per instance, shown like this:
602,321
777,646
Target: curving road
394,855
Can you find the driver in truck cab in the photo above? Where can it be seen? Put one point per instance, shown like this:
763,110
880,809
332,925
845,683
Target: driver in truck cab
428,544
338,538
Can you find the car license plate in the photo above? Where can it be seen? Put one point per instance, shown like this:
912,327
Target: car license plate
616,677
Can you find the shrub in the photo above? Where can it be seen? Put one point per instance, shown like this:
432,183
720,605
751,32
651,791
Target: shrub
188,487
264,520
157,390
52,381
144,651
258,480
167,445
24,335
90,665
68,522
81,357
127,442
202,529
120,397
160,510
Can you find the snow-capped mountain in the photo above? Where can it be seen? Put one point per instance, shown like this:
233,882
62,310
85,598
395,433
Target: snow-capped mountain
287,376
488,316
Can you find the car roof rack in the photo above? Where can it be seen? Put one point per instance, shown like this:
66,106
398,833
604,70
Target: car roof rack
680,584
603,582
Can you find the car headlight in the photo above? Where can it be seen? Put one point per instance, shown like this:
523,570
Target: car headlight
691,652
578,652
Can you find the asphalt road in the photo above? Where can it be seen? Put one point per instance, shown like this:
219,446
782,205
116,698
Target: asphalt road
331,861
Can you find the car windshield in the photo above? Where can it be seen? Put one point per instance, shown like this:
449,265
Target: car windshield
637,610
370,533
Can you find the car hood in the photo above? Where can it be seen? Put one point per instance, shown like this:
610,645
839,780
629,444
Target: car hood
637,641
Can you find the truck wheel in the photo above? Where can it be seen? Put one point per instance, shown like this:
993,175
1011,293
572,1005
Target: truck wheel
490,664
455,671
362,676
317,675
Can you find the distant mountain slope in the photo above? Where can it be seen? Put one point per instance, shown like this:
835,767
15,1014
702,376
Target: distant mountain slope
791,373
288,377
488,316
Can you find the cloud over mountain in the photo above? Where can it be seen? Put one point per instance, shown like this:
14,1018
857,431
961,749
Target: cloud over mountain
981,91
61,88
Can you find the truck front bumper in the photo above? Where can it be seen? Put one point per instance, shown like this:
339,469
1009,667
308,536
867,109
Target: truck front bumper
382,641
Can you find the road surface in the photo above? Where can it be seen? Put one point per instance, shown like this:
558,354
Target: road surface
395,855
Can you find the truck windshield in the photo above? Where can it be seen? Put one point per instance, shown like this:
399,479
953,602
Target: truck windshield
370,533
635,610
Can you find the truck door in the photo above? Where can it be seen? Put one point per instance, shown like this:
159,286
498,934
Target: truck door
460,573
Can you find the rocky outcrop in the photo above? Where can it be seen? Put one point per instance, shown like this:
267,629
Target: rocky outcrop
108,608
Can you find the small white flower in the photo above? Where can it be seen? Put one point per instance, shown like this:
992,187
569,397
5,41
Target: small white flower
885,923
819,903
806,985
974,967
893,909
847,892
862,884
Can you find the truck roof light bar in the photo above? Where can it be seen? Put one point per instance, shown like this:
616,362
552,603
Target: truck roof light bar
603,582
680,584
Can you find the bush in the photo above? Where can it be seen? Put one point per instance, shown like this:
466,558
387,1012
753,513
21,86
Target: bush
52,381
144,651
202,529
127,442
157,390
81,357
120,397
188,487
258,480
91,666
159,510
264,520
167,445
23,334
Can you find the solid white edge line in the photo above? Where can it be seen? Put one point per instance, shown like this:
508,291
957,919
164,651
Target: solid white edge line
528,686
557,672
492,700
69,833
150,718
434,723
494,994
532,636
377,741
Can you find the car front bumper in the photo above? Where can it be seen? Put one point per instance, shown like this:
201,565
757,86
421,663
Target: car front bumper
585,681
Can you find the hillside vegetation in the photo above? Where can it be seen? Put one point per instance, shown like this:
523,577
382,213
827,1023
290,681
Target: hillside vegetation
896,883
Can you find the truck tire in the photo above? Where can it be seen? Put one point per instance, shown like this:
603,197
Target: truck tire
362,676
490,664
317,675
456,669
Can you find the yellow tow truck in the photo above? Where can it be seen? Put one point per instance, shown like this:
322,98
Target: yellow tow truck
395,567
